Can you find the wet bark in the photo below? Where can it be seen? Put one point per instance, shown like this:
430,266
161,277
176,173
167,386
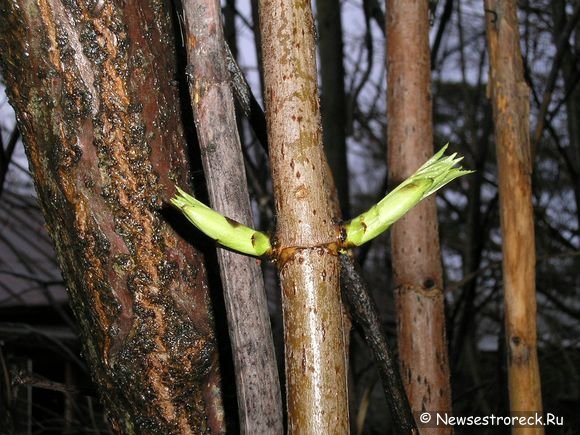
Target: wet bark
510,101
306,231
91,83
415,238
258,387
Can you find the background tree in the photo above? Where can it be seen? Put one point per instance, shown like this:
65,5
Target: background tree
510,101
415,240
333,100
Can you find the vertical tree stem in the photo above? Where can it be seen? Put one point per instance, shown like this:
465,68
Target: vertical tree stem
510,100
257,384
333,97
415,238
306,231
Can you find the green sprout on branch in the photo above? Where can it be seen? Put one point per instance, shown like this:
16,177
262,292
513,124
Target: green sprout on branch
432,176
227,232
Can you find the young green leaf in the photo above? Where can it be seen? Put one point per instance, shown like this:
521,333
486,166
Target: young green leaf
225,231
432,176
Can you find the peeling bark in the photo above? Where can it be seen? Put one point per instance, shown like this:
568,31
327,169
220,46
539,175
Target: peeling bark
91,86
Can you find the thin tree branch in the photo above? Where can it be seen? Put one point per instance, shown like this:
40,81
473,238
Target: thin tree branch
365,314
247,100
367,9
445,16
38,381
376,13
210,84
561,49
6,156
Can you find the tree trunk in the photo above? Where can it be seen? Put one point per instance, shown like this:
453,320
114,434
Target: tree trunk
91,86
258,387
414,239
510,101
306,229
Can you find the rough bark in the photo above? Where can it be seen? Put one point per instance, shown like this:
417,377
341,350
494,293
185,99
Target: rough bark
333,100
414,239
258,387
91,86
510,100
306,229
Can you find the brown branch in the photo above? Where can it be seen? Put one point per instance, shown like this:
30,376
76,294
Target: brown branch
38,381
415,247
247,100
314,330
509,94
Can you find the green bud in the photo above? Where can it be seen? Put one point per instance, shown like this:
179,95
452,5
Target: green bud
432,176
225,231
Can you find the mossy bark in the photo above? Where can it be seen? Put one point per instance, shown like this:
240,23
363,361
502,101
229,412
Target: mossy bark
91,83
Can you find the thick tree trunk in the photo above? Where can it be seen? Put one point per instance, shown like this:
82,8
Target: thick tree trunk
510,100
91,86
415,238
306,229
258,387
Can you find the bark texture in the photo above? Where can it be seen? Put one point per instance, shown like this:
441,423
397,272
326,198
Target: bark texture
415,238
91,85
510,101
258,387
306,229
